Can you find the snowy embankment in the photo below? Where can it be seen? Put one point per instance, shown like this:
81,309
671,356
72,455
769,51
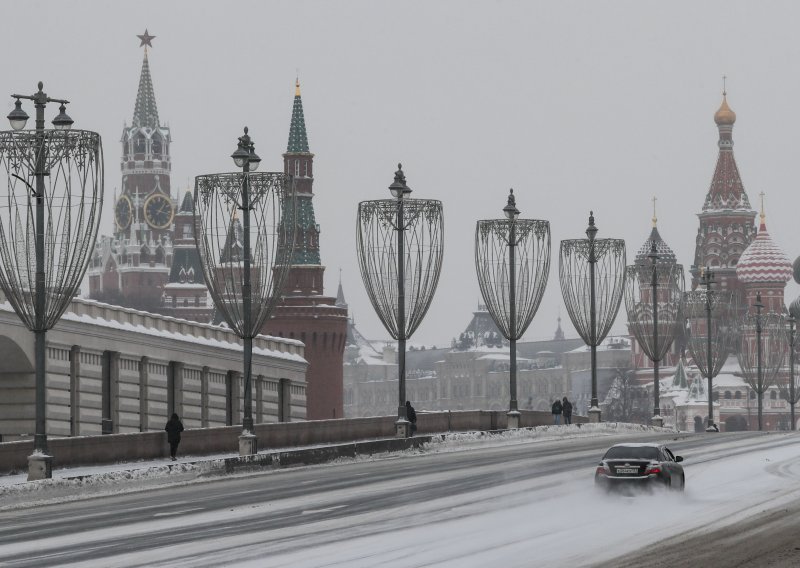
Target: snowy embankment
71,484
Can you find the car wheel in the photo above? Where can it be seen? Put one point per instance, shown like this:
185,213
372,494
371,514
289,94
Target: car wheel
683,483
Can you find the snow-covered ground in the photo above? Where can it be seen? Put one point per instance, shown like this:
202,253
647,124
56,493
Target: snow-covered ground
555,519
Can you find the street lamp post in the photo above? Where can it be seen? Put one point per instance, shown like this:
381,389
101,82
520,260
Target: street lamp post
792,393
654,323
707,279
761,363
245,281
710,350
512,298
400,247
67,171
760,370
592,311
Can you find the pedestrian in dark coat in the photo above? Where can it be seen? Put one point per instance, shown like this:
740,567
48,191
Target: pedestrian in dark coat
411,414
566,407
556,410
174,428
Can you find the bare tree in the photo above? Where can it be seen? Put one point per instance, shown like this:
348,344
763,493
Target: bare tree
627,401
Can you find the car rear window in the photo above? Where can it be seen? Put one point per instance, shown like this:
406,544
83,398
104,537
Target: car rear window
632,452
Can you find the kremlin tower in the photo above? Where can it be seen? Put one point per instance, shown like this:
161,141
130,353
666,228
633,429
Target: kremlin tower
143,265
727,220
305,313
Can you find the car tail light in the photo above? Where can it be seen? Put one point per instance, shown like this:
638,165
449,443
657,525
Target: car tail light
652,469
602,469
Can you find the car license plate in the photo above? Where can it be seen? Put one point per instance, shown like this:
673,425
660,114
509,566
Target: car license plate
627,470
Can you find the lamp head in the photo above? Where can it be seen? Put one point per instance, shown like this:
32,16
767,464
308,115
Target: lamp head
254,160
62,121
399,188
591,230
510,210
18,117
242,154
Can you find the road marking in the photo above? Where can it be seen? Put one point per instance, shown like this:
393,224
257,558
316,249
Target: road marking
181,512
327,510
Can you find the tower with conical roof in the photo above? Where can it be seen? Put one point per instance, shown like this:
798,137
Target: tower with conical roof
764,268
305,313
666,256
132,267
727,221
186,294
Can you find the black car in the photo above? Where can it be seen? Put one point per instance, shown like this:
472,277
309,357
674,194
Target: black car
646,465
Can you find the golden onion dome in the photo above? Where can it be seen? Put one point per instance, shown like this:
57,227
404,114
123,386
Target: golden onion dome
724,115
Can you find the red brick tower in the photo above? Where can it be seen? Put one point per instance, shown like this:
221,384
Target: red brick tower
305,313
727,221
132,267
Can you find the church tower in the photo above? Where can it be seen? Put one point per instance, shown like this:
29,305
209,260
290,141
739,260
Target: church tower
132,267
727,221
304,312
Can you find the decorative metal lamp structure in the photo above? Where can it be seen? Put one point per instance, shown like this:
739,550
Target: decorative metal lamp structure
654,287
763,343
790,391
592,276
245,262
711,331
48,227
512,258
400,248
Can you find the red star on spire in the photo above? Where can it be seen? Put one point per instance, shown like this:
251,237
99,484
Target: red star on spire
146,39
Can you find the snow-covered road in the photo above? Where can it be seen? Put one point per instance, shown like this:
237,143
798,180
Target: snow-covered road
518,502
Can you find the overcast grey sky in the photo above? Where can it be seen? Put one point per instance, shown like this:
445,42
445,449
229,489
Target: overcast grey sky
576,105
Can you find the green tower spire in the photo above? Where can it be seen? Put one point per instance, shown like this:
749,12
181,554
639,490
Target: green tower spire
298,139
145,113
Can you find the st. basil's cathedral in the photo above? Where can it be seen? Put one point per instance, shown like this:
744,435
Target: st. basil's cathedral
150,262
744,261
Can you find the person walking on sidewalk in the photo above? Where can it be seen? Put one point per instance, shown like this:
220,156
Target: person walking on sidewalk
174,428
411,414
556,410
566,407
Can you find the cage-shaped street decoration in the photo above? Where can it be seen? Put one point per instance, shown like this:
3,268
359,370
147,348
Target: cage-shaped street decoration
654,306
762,350
400,248
711,329
71,164
219,231
576,285
530,239
592,276
382,259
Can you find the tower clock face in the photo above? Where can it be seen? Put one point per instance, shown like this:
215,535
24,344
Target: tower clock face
158,211
122,212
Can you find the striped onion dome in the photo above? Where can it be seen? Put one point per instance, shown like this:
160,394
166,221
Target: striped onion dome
763,261
665,254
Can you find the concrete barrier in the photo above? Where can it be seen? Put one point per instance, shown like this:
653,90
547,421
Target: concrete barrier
114,448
